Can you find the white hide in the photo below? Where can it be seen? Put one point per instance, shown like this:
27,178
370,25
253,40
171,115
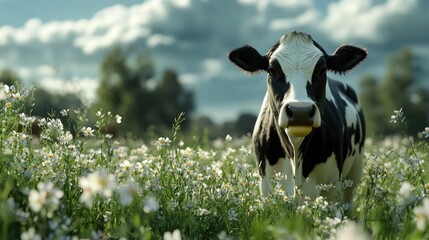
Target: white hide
297,57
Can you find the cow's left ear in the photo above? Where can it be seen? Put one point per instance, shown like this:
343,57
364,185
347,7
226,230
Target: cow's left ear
248,59
345,58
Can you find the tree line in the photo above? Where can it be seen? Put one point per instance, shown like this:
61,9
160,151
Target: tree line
401,87
129,87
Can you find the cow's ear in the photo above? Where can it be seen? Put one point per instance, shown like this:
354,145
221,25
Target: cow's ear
248,59
345,58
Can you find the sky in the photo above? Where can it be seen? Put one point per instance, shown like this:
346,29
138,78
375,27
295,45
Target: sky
59,44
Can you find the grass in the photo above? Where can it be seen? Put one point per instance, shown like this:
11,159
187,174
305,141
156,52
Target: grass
61,186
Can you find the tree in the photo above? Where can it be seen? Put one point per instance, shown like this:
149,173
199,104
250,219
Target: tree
124,90
372,106
47,104
399,88
245,123
173,98
121,88
9,77
44,103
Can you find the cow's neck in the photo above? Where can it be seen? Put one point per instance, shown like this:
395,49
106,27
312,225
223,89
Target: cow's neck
296,144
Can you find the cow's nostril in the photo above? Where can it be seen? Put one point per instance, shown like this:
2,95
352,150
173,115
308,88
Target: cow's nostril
289,112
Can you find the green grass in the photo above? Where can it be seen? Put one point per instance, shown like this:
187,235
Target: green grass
59,187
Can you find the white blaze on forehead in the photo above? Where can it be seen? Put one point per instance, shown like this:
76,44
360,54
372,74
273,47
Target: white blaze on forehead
297,53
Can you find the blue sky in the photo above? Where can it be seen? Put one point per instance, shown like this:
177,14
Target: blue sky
17,12
59,44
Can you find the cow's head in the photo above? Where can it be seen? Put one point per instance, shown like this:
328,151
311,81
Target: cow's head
296,68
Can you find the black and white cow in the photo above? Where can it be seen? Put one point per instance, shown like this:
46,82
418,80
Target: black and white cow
310,127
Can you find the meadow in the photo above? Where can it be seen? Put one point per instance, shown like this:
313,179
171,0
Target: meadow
93,186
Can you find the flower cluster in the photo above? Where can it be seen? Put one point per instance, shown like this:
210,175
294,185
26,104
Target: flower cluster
422,215
425,133
397,117
45,197
162,143
99,182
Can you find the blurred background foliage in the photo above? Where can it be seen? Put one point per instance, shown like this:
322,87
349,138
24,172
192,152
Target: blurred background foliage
402,86
148,103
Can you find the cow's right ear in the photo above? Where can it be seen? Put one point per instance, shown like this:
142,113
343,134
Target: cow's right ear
248,59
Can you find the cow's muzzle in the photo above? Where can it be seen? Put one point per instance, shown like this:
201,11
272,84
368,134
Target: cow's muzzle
299,118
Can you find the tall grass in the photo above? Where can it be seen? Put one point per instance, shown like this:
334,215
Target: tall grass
61,186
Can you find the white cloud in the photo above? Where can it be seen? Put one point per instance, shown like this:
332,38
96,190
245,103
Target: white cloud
59,31
181,3
119,24
84,87
45,70
112,25
349,19
5,33
37,72
261,5
188,78
159,39
24,72
211,67
308,17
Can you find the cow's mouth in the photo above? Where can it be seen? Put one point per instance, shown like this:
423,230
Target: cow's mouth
299,131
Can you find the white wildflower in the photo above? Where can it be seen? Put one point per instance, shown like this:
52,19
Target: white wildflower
398,116
67,137
88,132
223,235
128,192
216,169
64,112
202,212
352,231
426,132
94,183
126,165
150,205
45,196
175,235
16,95
245,151
5,89
205,155
187,153
162,142
422,215
232,215
347,183
405,192
325,187
118,119
228,138
30,234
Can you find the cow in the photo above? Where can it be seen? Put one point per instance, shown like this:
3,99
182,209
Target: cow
310,127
